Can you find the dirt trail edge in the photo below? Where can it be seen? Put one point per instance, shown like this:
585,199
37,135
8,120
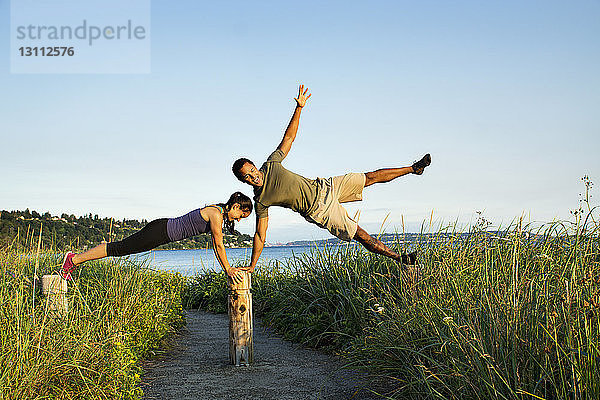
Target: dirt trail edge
197,367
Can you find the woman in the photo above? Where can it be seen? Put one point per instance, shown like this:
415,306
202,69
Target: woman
160,231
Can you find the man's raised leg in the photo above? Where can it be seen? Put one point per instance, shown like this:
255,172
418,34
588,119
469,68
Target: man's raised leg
388,174
376,246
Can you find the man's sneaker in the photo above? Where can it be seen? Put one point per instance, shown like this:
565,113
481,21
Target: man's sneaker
67,267
410,258
419,166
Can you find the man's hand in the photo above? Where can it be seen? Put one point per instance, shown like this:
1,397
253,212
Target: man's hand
249,268
235,275
302,97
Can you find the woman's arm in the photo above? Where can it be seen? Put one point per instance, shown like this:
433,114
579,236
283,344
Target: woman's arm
216,224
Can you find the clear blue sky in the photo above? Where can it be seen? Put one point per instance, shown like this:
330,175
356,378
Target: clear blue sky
505,95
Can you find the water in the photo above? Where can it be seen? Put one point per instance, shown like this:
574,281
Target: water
190,262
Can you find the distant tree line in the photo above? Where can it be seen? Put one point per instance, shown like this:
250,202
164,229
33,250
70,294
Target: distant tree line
69,232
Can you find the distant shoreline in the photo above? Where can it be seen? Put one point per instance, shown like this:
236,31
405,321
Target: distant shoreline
244,247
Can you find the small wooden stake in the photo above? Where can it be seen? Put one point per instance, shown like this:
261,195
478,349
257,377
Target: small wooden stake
239,307
55,288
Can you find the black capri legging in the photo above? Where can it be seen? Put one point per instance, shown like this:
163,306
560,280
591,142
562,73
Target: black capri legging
152,235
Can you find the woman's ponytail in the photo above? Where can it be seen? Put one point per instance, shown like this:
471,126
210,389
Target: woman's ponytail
245,205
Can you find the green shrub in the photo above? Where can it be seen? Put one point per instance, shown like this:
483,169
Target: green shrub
118,313
510,315
207,291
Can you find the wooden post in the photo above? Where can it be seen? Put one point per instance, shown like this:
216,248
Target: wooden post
239,307
55,288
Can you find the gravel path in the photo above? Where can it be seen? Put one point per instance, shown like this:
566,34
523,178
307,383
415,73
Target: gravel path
197,367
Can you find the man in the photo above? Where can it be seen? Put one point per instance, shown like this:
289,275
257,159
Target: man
318,201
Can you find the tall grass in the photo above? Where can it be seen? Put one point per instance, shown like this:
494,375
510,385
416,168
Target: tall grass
514,315
118,313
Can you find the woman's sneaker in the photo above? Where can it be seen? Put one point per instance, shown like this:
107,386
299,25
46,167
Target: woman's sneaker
67,267
420,165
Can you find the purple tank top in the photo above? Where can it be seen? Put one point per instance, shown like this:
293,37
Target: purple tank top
188,225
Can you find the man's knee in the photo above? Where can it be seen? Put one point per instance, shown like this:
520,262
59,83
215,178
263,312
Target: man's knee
365,239
370,178
360,234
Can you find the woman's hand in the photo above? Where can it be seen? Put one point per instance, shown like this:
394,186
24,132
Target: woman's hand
249,268
302,97
234,274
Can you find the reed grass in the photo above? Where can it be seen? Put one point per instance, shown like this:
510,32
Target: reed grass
513,314
512,317
119,311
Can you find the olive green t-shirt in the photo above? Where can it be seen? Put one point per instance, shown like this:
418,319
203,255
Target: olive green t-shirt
283,188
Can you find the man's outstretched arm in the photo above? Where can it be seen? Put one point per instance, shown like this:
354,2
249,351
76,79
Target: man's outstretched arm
292,129
260,236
